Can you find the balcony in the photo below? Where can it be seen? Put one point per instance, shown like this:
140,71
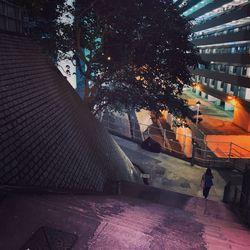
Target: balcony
209,7
235,14
230,37
189,5
233,79
229,58
222,95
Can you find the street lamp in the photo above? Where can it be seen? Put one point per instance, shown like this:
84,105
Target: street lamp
198,103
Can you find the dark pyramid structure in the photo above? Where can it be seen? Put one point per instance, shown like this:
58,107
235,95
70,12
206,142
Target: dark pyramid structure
48,138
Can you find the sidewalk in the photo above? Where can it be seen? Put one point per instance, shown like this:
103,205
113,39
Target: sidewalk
170,173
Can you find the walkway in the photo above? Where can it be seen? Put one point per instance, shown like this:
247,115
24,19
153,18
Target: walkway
142,218
170,173
215,120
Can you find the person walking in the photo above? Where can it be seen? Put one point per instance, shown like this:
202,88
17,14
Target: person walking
207,182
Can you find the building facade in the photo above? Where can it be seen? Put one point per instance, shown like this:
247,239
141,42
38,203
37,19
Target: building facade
12,17
221,33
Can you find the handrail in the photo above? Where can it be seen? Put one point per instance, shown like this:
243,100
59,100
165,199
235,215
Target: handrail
240,147
232,152
237,152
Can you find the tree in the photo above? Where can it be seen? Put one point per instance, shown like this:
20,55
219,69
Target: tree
132,54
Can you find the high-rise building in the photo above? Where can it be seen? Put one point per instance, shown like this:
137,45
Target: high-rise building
12,17
221,33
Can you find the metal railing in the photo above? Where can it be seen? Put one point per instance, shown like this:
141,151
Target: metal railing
224,154
140,132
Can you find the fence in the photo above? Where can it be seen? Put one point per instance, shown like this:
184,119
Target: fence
169,140
182,142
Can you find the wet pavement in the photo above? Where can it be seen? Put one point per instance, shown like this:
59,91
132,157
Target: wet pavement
140,218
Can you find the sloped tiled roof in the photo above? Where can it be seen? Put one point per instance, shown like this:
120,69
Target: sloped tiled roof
48,138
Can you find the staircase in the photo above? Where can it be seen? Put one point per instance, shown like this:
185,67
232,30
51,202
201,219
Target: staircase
141,217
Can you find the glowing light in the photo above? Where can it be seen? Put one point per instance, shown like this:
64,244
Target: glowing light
139,78
232,100
197,87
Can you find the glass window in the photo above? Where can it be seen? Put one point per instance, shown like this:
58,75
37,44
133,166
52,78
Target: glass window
223,67
238,70
244,71
242,92
232,88
212,82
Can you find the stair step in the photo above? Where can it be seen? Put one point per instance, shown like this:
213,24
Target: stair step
218,244
216,229
209,220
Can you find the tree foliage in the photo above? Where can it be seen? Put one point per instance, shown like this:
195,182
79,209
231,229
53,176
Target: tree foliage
132,54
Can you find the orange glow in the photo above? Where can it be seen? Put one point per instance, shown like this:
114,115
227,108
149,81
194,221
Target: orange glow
139,78
198,87
232,100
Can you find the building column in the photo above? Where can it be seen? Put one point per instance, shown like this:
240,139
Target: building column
242,117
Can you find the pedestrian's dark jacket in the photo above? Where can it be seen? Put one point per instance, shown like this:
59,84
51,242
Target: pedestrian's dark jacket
208,180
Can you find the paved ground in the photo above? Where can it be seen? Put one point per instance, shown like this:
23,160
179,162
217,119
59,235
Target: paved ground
149,220
215,120
170,173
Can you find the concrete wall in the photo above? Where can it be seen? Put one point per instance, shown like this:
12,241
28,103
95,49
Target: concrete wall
184,136
48,138
241,117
